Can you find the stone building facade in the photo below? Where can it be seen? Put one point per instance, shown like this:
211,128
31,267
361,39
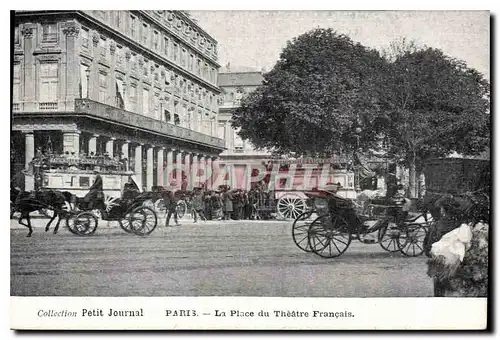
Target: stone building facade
139,84
235,84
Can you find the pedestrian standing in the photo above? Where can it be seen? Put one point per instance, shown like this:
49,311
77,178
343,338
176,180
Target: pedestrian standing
171,205
228,205
198,205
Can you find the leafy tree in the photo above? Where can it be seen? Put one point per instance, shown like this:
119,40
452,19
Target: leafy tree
434,105
318,93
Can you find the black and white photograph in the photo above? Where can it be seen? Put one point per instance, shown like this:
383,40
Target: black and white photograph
254,154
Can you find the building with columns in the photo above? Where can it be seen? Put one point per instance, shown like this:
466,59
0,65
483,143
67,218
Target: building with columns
235,83
140,85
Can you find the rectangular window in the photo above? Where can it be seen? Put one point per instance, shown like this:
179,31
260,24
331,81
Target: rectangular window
221,131
176,51
85,37
156,41
119,54
166,47
103,46
133,59
145,34
191,62
49,33
120,94
198,66
183,57
133,98
16,95
103,87
83,81
49,79
214,76
145,102
133,26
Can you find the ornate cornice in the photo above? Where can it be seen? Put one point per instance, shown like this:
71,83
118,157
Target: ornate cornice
95,39
27,32
71,30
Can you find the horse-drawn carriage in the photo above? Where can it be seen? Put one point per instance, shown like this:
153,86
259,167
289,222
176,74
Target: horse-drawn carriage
333,221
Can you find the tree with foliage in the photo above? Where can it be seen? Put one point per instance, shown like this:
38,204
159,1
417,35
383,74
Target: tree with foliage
434,105
316,96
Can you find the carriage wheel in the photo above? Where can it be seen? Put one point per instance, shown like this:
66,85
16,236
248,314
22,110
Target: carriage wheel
84,224
300,231
389,238
70,223
329,236
290,207
181,208
125,224
149,223
412,241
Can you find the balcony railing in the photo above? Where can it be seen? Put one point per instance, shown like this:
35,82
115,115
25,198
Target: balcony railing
118,115
47,106
16,107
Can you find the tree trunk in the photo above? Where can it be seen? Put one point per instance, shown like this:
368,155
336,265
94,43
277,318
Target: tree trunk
412,180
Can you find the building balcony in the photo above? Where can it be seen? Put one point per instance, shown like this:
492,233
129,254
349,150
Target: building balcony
114,114
47,106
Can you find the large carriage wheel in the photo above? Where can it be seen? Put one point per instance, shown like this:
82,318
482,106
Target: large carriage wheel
300,231
291,206
389,237
149,222
82,224
412,241
125,223
329,235
181,208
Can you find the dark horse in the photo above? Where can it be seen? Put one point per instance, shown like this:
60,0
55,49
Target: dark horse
26,203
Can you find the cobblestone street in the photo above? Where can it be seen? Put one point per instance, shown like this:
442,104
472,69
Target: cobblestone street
237,258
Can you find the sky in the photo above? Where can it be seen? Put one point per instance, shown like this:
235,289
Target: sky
255,38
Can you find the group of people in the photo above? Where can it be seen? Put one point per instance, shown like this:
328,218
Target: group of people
225,204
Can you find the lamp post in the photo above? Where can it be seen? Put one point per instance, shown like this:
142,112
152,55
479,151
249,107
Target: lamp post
358,132
87,74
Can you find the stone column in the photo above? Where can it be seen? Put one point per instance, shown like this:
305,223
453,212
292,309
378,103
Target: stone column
149,167
93,144
138,164
194,171
159,166
210,172
71,142
109,146
216,173
29,141
202,166
125,149
178,170
187,170
170,166
29,83
71,29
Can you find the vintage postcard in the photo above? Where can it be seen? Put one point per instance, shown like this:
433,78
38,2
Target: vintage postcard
249,170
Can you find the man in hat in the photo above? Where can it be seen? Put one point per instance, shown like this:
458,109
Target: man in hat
95,196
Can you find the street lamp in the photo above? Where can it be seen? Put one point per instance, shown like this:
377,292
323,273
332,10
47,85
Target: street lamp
358,132
87,74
